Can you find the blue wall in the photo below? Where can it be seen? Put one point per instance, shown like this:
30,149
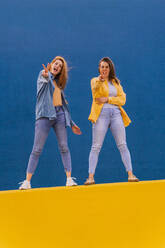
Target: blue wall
131,33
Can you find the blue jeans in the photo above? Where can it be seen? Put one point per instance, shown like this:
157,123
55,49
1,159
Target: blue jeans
42,128
109,118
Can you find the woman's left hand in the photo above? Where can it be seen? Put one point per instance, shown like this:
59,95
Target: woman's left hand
76,130
101,100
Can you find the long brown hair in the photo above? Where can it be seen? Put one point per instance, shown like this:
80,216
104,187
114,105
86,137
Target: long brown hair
112,74
63,75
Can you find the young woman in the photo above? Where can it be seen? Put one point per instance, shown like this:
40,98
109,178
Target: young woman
51,112
106,112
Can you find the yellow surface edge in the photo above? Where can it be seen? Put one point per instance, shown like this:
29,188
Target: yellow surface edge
104,215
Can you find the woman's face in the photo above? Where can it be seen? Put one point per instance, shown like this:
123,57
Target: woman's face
104,70
56,67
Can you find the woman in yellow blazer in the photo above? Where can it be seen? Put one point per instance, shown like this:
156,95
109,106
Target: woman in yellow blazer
107,112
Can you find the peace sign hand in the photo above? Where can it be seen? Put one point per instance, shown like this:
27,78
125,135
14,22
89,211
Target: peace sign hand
45,71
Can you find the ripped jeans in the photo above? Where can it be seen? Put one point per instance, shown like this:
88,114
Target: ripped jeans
109,118
42,128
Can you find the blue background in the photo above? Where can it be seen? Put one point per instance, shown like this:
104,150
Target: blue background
34,32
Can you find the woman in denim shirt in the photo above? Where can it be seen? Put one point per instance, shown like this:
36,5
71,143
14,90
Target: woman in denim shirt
52,112
107,113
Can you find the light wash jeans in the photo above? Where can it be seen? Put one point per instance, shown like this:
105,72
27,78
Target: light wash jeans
109,118
42,128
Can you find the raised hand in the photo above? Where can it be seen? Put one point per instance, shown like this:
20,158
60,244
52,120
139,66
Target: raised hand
45,71
101,78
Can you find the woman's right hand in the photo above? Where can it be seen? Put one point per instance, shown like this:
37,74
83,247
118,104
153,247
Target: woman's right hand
98,82
101,78
45,71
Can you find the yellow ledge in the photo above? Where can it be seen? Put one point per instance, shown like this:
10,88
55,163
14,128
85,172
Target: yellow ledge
125,215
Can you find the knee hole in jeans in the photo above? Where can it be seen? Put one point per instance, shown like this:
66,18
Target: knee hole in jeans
122,147
96,148
63,148
37,152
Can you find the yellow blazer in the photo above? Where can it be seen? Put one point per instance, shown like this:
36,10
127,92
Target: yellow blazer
101,89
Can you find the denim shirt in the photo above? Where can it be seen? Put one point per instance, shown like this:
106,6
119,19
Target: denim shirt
44,104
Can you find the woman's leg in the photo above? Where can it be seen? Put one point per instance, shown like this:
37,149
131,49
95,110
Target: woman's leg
42,128
99,130
118,132
61,133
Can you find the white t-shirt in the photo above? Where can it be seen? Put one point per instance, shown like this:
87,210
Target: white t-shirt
112,92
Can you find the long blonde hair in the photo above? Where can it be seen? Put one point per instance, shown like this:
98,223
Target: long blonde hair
63,75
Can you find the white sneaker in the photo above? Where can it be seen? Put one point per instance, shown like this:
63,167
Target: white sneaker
25,185
70,181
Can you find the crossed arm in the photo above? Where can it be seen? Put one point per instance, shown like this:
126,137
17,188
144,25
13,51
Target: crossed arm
119,100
